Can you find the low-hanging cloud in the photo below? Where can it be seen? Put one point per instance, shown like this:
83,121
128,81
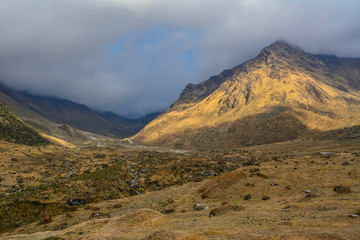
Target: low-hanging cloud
135,57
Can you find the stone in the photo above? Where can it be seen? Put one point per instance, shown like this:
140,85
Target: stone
247,197
199,207
342,189
76,202
265,198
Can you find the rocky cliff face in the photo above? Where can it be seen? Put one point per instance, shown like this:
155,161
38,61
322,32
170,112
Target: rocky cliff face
282,94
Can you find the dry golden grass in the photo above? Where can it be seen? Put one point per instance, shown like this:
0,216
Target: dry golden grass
290,213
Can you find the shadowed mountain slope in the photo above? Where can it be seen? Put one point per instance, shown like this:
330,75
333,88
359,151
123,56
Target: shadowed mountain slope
282,94
12,129
45,112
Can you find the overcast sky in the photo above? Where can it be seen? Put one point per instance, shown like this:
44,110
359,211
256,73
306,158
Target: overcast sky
135,57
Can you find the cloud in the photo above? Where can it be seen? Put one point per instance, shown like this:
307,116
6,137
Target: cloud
134,57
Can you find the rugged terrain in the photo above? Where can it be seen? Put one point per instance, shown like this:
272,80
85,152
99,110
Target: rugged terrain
282,94
273,153
300,189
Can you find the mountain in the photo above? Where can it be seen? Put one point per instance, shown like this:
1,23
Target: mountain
44,112
282,94
13,129
127,127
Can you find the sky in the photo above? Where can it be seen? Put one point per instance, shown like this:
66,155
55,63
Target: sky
134,57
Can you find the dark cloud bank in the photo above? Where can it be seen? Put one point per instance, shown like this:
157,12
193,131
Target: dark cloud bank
135,57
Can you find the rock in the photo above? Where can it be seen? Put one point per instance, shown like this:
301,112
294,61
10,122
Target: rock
99,214
247,197
132,182
168,210
133,192
261,175
118,205
326,154
307,191
199,207
225,209
342,189
345,163
265,198
353,216
94,215
76,202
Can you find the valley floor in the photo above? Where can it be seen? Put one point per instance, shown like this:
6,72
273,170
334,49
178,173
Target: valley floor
279,191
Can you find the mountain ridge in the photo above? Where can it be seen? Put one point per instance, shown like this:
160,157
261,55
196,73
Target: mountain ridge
60,117
312,92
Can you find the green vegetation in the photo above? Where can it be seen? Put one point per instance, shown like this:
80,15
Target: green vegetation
20,213
54,238
13,129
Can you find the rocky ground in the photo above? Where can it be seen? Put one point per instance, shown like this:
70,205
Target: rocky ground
294,190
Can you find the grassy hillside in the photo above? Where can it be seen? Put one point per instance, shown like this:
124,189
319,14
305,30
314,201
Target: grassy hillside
12,129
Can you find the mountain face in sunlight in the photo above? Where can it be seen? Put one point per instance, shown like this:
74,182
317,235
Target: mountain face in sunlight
282,94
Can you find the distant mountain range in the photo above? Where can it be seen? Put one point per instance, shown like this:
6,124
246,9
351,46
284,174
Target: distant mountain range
282,94
64,118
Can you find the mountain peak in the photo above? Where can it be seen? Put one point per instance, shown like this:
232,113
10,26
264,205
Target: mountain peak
281,48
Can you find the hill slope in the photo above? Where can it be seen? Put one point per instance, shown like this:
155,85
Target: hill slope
12,129
282,94
47,111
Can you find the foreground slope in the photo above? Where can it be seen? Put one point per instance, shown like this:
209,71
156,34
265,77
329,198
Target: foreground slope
282,94
309,195
12,129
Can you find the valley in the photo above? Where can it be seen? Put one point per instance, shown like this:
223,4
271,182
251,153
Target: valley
269,149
